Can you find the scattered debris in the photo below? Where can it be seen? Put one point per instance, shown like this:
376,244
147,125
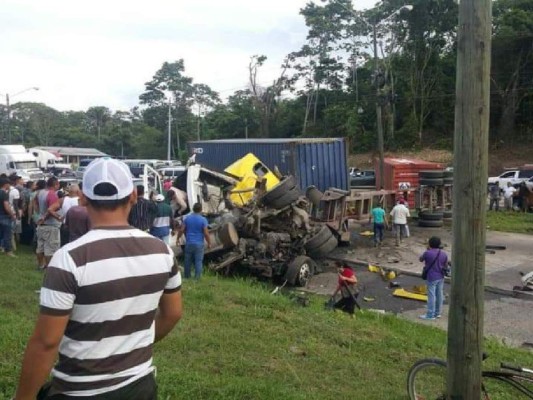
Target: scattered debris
409,295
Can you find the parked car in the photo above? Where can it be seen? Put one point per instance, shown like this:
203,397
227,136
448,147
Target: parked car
513,176
363,178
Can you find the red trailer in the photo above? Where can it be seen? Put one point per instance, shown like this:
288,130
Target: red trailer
401,174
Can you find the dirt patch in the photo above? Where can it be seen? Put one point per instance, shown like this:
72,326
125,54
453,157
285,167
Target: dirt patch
498,158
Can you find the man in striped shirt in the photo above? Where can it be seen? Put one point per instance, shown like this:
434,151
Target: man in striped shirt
106,298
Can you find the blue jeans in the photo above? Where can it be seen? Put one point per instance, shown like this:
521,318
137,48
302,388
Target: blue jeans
194,253
378,232
435,297
6,233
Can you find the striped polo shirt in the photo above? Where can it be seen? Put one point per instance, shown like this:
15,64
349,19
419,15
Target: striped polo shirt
109,281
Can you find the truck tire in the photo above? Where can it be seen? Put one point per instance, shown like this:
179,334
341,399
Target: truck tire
431,181
288,198
324,249
228,235
319,238
286,184
447,214
430,216
299,271
447,174
447,181
314,195
430,224
431,174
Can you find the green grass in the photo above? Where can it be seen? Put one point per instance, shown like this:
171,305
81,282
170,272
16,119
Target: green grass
236,341
510,221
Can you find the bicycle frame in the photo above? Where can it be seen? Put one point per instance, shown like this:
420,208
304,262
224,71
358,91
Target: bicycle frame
510,378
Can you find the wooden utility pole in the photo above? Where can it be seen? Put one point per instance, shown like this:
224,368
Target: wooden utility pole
465,326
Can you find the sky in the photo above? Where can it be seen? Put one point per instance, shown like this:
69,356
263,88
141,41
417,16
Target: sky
81,54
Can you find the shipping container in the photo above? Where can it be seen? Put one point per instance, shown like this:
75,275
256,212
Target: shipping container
401,174
313,161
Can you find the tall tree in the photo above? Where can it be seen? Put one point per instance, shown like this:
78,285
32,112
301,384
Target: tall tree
98,118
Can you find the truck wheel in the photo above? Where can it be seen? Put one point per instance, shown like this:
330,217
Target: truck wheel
317,240
447,214
228,235
300,271
431,181
285,185
324,249
430,216
447,181
431,174
430,224
447,174
288,198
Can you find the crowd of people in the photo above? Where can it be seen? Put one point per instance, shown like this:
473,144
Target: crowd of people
521,197
48,214
44,214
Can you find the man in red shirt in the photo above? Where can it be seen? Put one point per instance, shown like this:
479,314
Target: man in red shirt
346,285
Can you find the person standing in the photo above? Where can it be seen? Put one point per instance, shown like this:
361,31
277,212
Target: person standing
380,222
163,222
48,238
494,196
508,194
195,230
106,298
399,215
435,262
142,214
60,208
346,285
76,222
7,216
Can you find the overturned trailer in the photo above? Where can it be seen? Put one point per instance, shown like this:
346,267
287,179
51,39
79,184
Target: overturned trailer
268,232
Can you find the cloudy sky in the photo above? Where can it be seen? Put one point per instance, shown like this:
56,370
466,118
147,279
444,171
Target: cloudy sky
100,53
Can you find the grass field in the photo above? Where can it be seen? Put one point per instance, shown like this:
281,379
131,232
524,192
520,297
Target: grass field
237,341
510,221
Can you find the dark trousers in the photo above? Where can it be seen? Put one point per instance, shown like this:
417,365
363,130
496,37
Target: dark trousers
494,203
6,233
346,304
142,389
378,232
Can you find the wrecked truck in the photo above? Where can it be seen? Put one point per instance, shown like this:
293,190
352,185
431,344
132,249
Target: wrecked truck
258,222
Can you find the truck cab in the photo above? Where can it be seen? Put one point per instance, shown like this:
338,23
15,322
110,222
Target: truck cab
15,160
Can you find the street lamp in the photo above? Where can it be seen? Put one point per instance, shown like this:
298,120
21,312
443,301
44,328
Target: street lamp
379,121
9,110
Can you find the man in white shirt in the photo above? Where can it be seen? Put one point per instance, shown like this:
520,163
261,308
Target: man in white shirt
508,193
399,215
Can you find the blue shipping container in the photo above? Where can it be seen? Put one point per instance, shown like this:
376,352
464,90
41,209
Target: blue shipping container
313,161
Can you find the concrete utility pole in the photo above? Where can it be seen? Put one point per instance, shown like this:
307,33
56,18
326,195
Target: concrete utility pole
465,325
379,119
169,128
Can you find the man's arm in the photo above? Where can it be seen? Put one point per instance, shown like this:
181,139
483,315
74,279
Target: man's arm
7,208
168,314
40,355
207,237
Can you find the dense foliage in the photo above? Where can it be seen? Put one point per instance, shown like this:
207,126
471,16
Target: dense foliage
329,87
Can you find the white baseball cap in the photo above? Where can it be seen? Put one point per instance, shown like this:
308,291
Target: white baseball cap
110,171
159,197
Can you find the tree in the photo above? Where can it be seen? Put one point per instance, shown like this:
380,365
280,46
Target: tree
512,62
205,99
98,118
265,98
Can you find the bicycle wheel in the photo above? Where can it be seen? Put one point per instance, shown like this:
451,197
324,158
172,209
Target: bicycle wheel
426,380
